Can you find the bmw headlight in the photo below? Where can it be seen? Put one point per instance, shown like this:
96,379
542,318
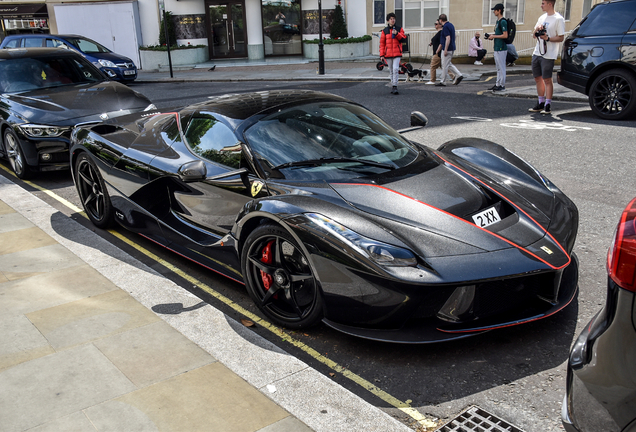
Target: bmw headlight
106,63
380,252
42,131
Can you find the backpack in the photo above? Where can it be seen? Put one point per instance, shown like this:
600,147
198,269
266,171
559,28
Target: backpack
512,31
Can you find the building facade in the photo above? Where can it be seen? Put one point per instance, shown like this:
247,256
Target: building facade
257,29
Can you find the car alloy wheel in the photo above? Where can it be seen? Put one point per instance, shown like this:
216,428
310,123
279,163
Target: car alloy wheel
280,279
92,192
613,95
16,155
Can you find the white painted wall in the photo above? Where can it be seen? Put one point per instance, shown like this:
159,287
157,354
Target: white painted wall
119,28
356,17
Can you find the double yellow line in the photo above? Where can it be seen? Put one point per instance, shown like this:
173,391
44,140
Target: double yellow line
405,407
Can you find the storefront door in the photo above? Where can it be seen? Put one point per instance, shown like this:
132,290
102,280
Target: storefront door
227,36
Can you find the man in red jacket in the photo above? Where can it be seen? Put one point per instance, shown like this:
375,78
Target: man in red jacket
391,49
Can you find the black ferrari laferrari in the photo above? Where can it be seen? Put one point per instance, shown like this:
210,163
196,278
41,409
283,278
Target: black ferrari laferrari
326,213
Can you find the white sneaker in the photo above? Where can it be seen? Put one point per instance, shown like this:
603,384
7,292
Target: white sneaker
430,83
478,63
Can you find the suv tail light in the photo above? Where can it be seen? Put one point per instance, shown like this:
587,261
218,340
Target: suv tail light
621,257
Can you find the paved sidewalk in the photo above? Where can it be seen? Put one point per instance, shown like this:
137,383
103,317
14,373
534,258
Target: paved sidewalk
93,340
363,69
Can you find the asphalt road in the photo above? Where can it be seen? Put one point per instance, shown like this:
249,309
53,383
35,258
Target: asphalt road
516,373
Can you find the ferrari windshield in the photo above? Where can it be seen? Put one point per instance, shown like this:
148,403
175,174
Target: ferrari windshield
25,74
321,140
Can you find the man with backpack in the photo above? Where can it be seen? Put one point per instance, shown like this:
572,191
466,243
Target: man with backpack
500,48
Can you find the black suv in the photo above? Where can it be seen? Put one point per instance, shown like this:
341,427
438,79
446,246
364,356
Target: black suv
599,59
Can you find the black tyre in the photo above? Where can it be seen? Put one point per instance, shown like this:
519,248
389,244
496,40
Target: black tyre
613,95
379,66
92,192
279,278
14,153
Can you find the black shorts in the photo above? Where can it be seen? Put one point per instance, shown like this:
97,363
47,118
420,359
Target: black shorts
542,67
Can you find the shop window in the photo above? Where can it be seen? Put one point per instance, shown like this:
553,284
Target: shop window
281,27
379,12
419,14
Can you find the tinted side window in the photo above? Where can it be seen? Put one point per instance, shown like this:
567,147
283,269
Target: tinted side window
32,42
614,18
213,140
53,43
15,43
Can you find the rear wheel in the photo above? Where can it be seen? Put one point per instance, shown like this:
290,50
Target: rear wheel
613,95
379,66
16,155
279,278
92,192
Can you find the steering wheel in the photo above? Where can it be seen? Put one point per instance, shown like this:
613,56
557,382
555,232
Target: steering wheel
346,131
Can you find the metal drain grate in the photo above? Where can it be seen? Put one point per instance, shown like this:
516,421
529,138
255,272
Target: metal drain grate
476,419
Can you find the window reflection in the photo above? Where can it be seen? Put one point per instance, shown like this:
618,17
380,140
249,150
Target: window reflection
281,27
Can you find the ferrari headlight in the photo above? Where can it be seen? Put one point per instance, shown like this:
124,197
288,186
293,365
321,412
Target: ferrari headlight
42,131
380,252
106,63
150,107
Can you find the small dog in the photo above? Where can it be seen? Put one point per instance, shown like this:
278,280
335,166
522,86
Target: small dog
416,75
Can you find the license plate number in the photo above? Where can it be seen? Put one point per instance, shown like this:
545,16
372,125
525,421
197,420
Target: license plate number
129,72
486,217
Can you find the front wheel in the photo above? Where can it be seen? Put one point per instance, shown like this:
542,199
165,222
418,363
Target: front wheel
613,95
379,66
279,278
15,155
92,192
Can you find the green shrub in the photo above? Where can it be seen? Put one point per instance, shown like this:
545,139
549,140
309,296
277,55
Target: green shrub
172,48
172,35
338,26
339,41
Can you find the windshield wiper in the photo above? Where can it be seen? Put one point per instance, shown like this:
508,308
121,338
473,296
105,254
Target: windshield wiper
322,161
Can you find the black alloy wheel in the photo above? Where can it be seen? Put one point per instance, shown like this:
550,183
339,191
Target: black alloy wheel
14,153
613,95
92,192
279,278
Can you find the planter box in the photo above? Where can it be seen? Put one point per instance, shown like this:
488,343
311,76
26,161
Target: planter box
157,60
339,51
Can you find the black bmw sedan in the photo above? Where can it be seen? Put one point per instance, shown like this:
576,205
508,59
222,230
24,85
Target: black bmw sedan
44,93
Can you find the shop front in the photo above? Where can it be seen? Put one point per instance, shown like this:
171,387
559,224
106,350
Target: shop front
23,18
251,29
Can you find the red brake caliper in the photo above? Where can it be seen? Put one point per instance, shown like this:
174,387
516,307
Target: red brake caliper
267,258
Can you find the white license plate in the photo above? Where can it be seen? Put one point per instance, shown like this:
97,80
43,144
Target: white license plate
129,72
486,217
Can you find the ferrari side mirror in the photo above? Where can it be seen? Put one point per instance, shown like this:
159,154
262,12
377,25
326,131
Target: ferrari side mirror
418,119
193,171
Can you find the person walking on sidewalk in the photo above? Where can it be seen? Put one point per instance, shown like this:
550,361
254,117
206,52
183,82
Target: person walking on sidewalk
391,49
436,60
476,49
500,48
446,50
549,32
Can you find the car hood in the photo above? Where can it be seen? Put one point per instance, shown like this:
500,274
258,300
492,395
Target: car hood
72,104
443,199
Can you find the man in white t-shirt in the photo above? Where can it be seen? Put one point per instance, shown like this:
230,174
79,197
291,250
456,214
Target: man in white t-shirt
551,30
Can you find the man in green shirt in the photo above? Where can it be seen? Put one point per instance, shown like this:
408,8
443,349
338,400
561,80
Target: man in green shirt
500,49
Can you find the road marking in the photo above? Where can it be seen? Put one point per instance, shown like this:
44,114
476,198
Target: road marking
489,78
468,118
537,125
277,331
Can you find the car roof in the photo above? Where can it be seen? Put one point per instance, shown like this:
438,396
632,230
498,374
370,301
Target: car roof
45,35
240,106
15,53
